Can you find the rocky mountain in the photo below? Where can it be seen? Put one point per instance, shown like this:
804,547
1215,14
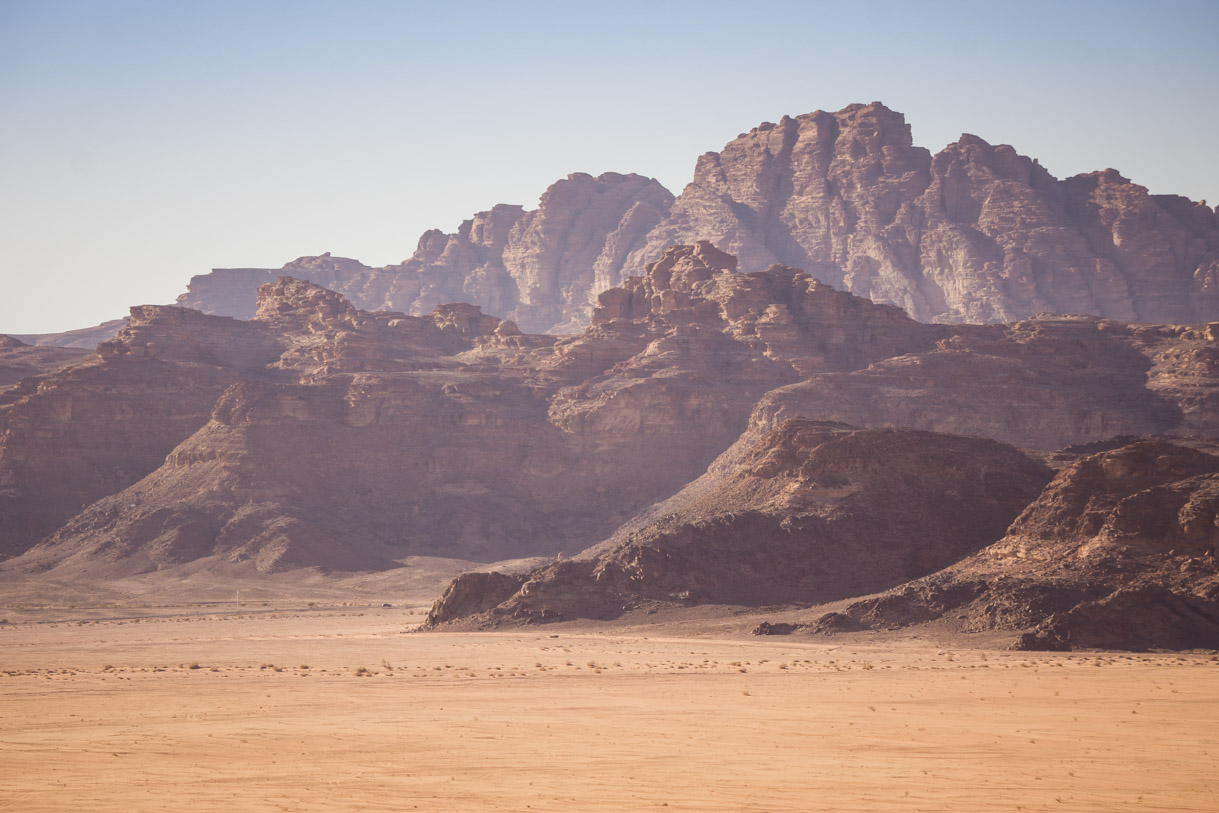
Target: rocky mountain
813,512
88,430
1118,551
20,360
976,233
715,435
542,268
452,434
85,338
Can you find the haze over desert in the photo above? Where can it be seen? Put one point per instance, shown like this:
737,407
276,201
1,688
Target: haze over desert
547,406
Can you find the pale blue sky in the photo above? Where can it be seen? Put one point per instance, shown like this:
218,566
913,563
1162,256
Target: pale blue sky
144,142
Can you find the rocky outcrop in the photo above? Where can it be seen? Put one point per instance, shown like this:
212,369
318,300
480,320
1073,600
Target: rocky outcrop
1043,384
234,291
1117,552
346,439
812,513
473,593
320,435
977,233
73,436
542,268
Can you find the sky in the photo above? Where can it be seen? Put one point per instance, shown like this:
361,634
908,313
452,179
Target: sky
142,143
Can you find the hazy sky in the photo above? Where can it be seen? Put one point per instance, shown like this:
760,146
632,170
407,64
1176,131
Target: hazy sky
144,142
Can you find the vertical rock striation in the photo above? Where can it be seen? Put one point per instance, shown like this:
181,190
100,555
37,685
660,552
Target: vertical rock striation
542,268
976,233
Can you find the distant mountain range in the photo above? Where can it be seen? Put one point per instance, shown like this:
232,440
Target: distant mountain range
783,387
714,436
975,233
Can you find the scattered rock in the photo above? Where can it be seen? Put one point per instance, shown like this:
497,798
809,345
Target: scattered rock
777,628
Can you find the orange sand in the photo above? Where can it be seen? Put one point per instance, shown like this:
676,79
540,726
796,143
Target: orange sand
550,720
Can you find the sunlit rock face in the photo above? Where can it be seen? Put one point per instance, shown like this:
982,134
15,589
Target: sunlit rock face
976,233
321,435
542,268
1118,551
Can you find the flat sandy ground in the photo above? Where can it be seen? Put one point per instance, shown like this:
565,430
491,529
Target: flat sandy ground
265,711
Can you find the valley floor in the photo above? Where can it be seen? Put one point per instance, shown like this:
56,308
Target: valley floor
338,709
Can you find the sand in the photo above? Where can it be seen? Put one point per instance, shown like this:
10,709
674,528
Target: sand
191,710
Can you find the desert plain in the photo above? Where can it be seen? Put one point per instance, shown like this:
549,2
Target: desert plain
279,705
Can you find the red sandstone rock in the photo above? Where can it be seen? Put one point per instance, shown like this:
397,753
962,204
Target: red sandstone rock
976,233
814,512
1118,551
320,435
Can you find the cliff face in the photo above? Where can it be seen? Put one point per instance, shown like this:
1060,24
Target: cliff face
73,436
1117,551
812,512
1040,384
321,435
977,233
542,268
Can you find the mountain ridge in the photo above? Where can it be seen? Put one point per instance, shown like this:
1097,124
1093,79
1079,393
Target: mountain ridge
976,233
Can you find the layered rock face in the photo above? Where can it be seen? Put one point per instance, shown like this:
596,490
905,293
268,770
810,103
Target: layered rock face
328,436
542,268
977,233
814,512
74,436
319,435
1118,551
974,234
1041,384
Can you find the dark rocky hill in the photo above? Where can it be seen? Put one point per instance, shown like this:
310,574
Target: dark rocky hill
813,512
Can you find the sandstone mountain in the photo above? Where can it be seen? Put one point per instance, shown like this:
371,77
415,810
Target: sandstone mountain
813,512
542,268
85,338
320,436
976,233
1118,551
19,360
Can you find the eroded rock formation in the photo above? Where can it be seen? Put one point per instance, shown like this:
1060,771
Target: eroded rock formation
73,436
19,360
542,268
1118,551
319,435
976,233
814,512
